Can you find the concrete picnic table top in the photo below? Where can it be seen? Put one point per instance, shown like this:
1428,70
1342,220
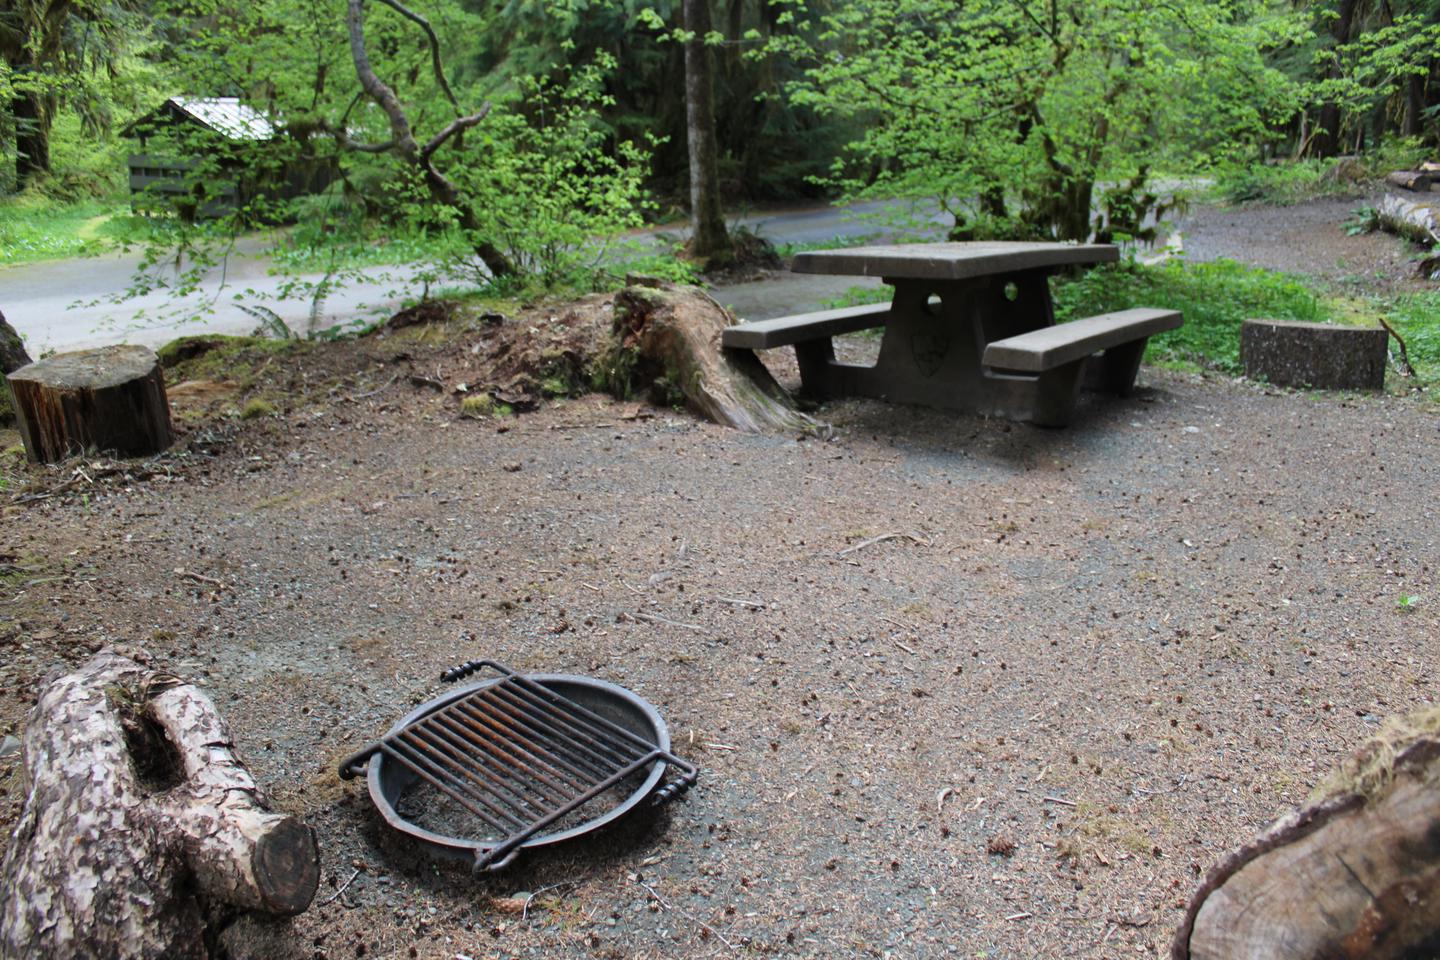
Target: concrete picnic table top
951,261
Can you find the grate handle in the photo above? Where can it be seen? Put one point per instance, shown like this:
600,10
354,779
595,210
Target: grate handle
473,666
353,765
673,789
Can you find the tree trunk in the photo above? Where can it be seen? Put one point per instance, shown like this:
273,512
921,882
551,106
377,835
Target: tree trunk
1353,876
675,333
1413,124
709,241
1326,141
111,399
442,189
32,137
1414,221
141,826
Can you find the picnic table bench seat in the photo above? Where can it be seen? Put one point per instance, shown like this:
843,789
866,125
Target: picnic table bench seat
1059,356
785,331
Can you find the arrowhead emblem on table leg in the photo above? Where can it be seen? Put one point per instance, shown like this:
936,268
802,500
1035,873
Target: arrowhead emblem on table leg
929,349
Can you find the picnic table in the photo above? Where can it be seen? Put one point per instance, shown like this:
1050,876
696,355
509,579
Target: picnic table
971,327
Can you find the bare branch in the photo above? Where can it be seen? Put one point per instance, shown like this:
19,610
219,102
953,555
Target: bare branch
424,24
378,89
456,126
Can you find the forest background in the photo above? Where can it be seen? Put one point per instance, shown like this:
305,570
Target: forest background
508,140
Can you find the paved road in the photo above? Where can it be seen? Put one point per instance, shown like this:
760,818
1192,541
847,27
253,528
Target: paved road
65,304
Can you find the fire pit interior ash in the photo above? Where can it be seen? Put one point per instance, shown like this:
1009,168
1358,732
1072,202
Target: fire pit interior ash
518,761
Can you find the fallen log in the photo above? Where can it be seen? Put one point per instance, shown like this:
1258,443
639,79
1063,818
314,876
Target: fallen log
1355,874
1407,218
143,833
1418,180
110,399
672,335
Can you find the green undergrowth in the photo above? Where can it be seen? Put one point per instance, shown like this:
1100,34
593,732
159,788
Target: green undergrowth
35,228
1215,298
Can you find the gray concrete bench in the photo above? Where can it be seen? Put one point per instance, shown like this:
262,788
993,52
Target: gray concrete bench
809,333
1058,356
784,331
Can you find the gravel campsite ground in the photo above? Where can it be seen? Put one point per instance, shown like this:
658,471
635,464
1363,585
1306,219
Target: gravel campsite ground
957,687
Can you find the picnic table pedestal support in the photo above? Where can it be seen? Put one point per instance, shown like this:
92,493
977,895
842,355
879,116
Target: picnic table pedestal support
933,345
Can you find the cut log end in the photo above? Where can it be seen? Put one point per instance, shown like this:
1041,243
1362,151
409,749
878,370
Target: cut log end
287,867
1354,875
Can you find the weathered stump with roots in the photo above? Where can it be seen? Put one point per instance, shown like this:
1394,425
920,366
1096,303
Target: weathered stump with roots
675,332
1354,875
142,832
112,399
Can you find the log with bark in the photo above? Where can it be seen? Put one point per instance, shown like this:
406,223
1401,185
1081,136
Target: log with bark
674,333
1410,218
143,833
110,399
1418,180
1353,875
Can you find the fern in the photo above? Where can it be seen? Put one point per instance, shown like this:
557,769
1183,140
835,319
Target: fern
271,324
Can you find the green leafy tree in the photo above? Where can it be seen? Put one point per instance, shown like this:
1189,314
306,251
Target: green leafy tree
1011,114
51,52
528,181
1373,68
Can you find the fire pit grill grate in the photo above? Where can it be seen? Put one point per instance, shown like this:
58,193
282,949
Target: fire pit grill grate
519,757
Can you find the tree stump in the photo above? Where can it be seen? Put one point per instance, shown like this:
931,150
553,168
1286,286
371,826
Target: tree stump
675,333
110,399
1355,875
142,831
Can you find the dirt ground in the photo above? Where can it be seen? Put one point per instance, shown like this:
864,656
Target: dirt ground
956,686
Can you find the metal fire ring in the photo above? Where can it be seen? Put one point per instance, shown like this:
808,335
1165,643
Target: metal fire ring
388,779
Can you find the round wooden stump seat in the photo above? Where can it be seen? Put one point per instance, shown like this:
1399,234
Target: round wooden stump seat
110,399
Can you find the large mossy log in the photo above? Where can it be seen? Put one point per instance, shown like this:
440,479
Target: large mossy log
675,331
142,831
1353,875
111,399
1410,218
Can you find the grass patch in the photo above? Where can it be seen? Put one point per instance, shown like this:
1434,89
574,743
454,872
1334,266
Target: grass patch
1215,298
1416,317
35,228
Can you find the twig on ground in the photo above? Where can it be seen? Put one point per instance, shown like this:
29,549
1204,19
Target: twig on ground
913,538
361,396
742,603
525,911
343,887
902,646
688,916
652,618
1405,368
1022,915
1062,802
201,578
